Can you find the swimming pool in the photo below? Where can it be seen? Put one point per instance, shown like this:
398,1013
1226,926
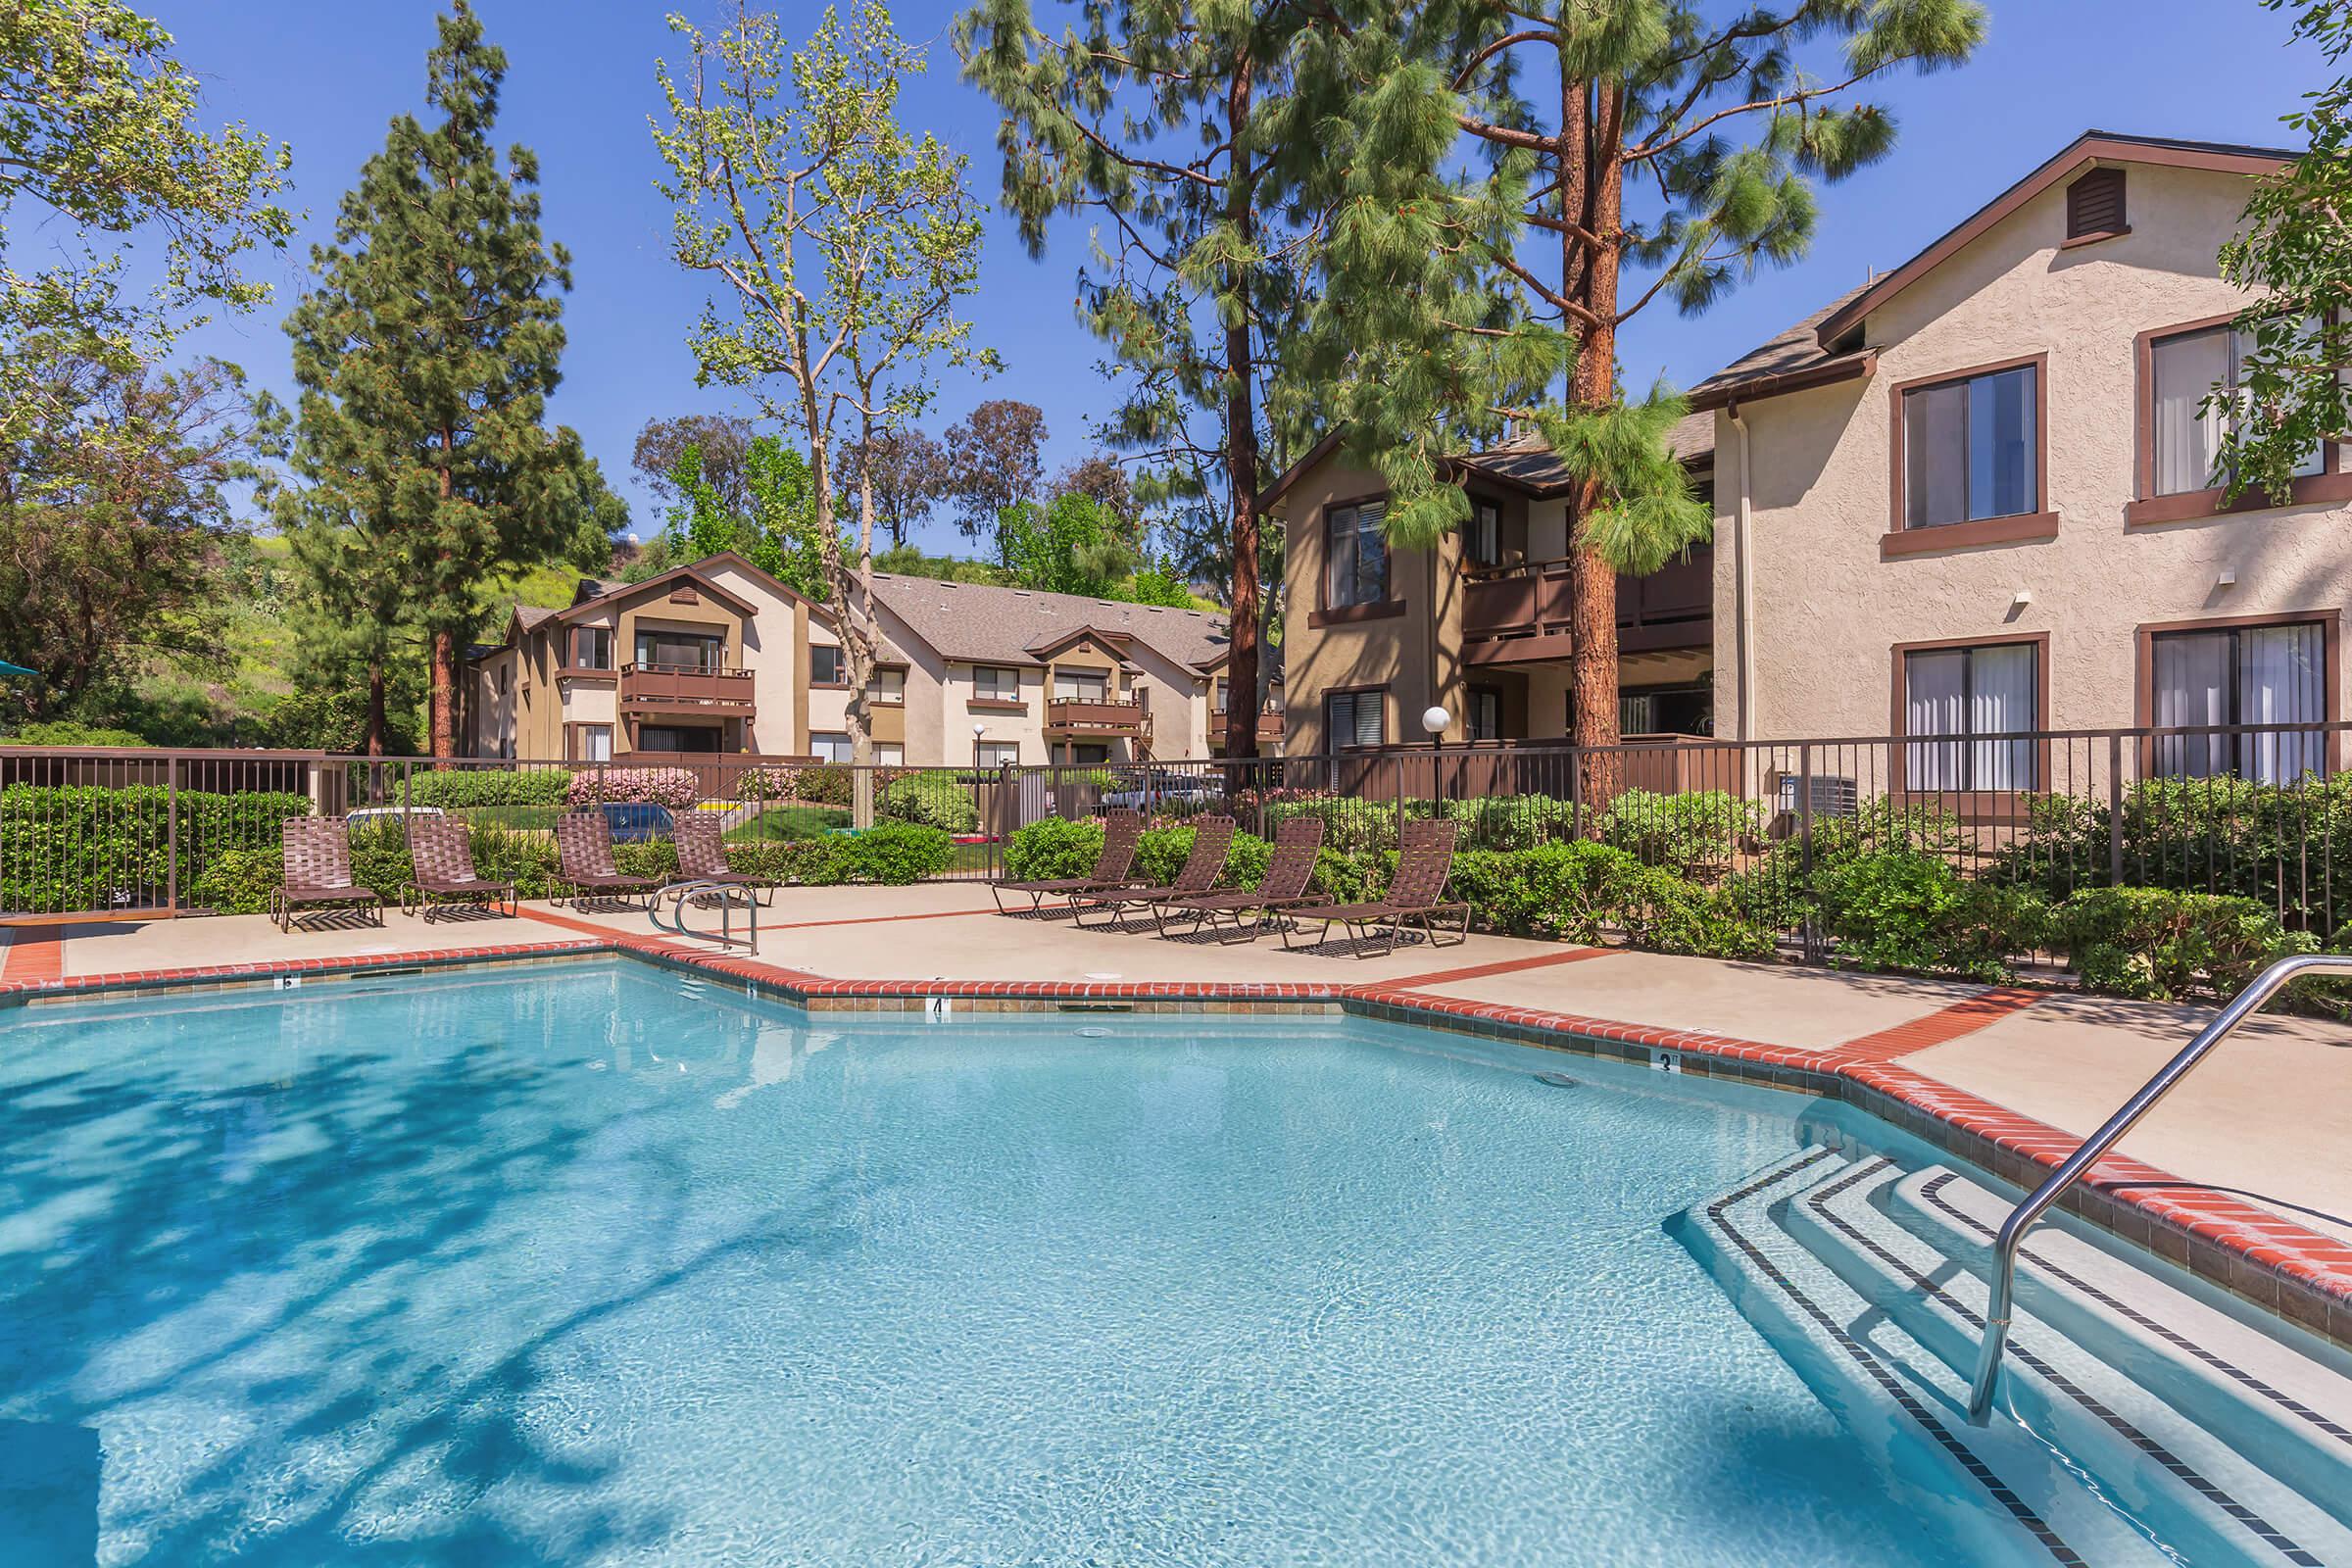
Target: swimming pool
600,1263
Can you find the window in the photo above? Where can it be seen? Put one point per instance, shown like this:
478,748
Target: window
1481,535
1356,571
890,754
889,685
1666,711
592,743
1972,448
592,648
1082,685
680,649
503,671
991,684
1000,754
1220,693
2240,675
1085,753
1951,697
2094,206
1486,714
1355,718
2186,368
677,738
827,667
829,745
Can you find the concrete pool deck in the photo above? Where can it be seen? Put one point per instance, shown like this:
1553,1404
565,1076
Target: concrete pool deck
2267,1120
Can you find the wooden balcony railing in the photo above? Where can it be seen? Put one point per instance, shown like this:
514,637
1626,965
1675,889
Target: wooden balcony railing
1530,603
685,686
1086,715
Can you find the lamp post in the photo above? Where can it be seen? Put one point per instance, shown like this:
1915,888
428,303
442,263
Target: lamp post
979,809
1435,719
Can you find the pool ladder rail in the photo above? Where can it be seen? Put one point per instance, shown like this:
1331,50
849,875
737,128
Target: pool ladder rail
706,893
1999,1306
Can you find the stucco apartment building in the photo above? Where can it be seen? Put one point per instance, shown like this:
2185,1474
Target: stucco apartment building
1973,496
719,658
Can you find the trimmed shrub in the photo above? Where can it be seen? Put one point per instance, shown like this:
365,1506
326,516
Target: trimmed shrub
459,788
1685,833
1349,826
1514,822
1163,852
1052,848
663,786
824,784
1563,891
72,732
928,799
2157,945
1900,909
1669,913
895,854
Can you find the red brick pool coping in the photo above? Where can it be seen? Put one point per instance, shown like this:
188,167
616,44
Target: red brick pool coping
2285,1268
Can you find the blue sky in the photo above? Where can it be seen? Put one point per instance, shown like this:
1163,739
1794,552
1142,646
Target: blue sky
329,76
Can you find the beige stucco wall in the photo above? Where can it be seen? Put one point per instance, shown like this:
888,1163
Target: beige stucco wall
1829,611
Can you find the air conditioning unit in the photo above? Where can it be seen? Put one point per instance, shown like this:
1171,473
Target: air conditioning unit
1830,796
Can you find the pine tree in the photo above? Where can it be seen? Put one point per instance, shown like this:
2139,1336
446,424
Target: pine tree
426,354
1152,115
1460,302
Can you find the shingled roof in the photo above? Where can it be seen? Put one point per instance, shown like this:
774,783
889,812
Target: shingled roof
1785,360
978,623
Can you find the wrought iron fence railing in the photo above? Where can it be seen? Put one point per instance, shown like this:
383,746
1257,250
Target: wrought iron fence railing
2261,812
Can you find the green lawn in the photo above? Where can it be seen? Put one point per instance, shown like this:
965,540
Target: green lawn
789,821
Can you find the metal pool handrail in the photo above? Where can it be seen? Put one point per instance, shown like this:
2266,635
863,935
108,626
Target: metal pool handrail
730,897
2094,1147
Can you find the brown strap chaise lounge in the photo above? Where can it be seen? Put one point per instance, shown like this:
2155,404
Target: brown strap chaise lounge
1291,866
1425,858
441,854
1123,831
702,856
316,852
1212,841
584,856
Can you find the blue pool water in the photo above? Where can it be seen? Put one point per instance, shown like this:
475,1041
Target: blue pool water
600,1264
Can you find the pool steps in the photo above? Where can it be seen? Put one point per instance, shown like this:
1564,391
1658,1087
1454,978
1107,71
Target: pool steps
2117,1441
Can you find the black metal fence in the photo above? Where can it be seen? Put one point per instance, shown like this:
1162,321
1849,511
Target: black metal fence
2262,810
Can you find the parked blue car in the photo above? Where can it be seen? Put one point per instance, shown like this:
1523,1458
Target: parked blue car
637,822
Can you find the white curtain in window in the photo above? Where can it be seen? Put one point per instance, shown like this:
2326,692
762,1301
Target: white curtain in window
1935,688
1936,456
2190,686
2187,370
2281,679
2002,701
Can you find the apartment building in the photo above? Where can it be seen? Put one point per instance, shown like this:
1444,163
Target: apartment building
719,658
1477,624
1977,495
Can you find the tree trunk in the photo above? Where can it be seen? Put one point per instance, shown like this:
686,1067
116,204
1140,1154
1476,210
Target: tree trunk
1241,454
1593,606
375,744
445,694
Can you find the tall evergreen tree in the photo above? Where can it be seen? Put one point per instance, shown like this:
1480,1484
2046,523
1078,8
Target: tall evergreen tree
426,354
1151,114
1477,155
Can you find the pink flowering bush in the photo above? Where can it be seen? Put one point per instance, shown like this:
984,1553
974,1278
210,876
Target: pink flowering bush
663,786
767,784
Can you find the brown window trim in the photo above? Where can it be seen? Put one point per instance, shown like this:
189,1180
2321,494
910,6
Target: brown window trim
604,677
1970,805
2143,674
2024,528
1330,745
1347,613
1896,512
995,705
571,738
1327,614
2331,485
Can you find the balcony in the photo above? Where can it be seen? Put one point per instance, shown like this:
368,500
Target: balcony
1520,613
1089,716
685,688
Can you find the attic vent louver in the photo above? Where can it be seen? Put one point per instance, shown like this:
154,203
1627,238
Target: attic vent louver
2094,206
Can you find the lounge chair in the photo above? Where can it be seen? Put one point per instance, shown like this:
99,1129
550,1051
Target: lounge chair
1417,898
1296,845
1212,840
584,856
702,856
1123,831
316,852
442,857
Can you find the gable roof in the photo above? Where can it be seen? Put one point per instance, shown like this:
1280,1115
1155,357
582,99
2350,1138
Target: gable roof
972,622
1523,462
1787,362
593,594
2091,147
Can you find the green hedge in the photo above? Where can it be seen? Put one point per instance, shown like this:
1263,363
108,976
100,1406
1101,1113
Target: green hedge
70,847
459,788
929,800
